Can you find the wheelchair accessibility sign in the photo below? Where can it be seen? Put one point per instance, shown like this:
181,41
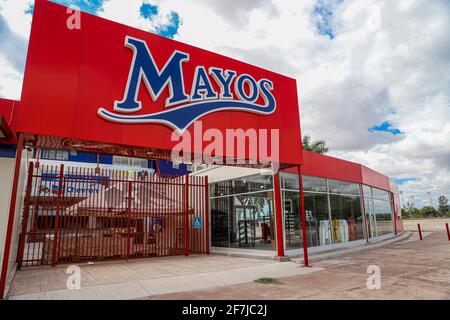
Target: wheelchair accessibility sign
198,223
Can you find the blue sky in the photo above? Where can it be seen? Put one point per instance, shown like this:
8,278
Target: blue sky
323,15
370,74
147,10
402,181
90,6
386,126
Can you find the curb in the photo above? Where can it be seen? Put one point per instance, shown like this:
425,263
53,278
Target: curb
404,235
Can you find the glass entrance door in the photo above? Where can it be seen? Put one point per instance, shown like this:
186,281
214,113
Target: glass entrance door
245,226
371,219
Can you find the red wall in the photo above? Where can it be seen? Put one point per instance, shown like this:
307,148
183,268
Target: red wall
6,110
315,164
70,74
319,165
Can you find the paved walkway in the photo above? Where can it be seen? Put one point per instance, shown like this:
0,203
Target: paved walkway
410,269
154,276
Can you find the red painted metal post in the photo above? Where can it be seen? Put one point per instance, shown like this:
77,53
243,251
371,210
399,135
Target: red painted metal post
420,231
303,216
448,231
207,213
58,211
12,210
186,217
395,213
278,214
130,186
26,214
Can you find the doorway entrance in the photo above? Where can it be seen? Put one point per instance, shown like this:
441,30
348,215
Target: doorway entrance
371,219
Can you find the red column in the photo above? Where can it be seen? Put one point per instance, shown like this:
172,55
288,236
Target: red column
278,214
303,215
207,213
186,217
12,210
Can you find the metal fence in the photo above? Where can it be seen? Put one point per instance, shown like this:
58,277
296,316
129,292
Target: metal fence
77,214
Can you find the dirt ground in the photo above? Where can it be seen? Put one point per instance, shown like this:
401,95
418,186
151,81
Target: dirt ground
410,269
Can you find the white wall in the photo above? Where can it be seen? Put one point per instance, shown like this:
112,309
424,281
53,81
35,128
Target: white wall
221,173
6,180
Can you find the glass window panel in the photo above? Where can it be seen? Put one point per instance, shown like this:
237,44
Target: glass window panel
252,184
347,221
334,186
244,221
350,188
52,154
318,226
221,188
383,217
367,191
289,181
380,194
220,209
314,184
292,219
343,187
130,162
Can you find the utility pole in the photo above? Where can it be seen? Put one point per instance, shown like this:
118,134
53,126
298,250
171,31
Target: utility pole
431,199
402,200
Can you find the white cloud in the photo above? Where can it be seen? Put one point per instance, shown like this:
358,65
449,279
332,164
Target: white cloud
14,13
389,61
10,80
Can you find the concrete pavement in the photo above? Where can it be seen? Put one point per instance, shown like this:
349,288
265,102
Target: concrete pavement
142,278
410,269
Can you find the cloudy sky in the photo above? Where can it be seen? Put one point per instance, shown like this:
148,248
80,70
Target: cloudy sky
373,76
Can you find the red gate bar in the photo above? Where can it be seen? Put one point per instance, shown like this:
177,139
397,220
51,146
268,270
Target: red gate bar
82,214
26,214
58,208
448,231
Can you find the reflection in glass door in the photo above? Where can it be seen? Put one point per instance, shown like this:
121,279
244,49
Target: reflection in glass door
245,226
371,219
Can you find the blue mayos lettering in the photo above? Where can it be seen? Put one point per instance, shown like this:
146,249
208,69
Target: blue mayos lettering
203,99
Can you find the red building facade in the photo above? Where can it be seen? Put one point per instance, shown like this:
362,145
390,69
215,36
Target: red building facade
107,88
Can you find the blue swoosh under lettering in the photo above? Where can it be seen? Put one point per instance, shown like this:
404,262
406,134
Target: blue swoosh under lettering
181,117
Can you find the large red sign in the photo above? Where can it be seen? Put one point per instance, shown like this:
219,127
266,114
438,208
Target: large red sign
106,82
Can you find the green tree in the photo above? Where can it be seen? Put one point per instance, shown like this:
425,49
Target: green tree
410,210
428,212
317,146
443,206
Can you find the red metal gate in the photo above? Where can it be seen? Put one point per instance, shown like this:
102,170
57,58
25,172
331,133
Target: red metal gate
86,214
